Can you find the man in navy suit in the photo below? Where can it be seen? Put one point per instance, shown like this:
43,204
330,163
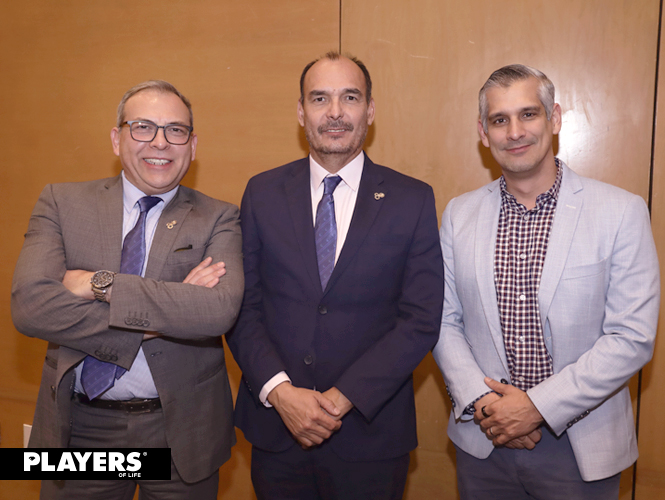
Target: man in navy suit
343,299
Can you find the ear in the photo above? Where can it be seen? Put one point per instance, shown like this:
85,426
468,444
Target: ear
301,114
115,140
483,135
194,140
370,112
555,119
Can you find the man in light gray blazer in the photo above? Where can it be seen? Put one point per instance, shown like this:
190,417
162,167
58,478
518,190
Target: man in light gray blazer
551,303
143,275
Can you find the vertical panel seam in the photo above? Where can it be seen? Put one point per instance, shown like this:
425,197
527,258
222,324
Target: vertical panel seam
649,204
340,26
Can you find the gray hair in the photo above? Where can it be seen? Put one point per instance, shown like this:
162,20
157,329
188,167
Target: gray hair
156,85
505,77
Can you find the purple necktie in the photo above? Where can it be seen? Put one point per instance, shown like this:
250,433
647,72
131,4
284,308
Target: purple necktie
325,230
99,376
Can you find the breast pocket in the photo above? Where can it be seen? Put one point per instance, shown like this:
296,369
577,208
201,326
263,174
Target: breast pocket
584,271
179,263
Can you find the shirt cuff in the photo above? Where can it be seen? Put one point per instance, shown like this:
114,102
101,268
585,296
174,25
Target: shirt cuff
471,409
270,385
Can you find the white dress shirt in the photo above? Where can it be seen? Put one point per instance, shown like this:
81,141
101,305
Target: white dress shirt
345,196
137,382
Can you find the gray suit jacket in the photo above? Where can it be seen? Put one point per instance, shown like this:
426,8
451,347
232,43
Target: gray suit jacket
599,298
79,226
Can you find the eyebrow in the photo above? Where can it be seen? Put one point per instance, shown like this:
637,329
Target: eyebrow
352,90
177,122
521,110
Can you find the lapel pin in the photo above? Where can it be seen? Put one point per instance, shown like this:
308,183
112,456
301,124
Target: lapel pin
378,196
170,225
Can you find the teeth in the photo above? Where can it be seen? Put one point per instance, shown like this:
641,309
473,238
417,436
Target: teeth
154,161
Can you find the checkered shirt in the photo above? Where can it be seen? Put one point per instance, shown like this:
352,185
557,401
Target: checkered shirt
521,245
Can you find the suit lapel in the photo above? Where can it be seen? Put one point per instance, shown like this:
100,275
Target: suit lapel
299,200
488,224
162,242
364,214
110,220
568,209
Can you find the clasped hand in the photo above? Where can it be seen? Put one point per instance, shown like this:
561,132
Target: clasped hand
310,416
508,417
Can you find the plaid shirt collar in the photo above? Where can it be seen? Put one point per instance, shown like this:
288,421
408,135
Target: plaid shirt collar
551,193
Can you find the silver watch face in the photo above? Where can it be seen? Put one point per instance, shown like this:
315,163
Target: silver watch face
102,279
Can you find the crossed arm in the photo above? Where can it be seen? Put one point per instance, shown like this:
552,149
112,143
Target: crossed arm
43,307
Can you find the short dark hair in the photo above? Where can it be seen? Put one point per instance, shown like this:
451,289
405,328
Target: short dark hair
157,85
334,56
505,77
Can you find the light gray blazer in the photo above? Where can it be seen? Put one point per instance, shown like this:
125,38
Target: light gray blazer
79,226
599,297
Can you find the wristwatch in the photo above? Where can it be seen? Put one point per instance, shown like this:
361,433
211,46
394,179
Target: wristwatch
101,281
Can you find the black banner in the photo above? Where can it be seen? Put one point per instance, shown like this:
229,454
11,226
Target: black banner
85,463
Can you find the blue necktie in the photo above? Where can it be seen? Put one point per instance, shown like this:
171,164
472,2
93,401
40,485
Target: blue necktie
325,230
99,376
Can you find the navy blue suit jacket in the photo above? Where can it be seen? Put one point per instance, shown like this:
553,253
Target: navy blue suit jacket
365,333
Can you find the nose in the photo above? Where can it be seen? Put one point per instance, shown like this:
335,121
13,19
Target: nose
335,110
160,142
515,130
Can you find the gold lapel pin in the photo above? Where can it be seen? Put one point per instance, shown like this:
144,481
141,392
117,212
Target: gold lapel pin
170,225
378,196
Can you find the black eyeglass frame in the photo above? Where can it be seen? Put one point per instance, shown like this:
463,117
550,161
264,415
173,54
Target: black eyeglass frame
131,122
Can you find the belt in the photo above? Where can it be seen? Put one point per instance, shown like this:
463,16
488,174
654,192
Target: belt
131,406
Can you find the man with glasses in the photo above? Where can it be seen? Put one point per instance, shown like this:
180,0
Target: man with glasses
133,280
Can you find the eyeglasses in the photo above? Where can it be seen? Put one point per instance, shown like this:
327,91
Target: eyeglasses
143,131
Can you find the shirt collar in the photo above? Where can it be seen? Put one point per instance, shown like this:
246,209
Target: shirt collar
350,173
552,192
131,194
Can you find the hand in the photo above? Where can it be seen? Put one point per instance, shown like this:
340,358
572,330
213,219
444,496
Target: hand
529,441
78,282
339,400
305,413
483,403
512,416
206,274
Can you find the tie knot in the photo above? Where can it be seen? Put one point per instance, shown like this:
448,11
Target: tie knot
330,183
147,202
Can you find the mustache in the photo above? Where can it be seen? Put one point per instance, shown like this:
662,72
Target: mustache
335,125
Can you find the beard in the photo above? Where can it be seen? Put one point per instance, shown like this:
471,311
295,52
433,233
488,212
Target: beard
337,146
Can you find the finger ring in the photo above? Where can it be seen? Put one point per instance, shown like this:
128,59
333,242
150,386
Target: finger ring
491,433
484,413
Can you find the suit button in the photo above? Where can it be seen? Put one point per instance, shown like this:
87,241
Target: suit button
323,310
308,360
52,388
504,381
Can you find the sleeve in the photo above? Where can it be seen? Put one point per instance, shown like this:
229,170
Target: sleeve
632,302
379,373
464,378
249,342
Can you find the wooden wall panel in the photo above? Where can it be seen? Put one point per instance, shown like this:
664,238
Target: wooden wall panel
429,58
65,68
651,464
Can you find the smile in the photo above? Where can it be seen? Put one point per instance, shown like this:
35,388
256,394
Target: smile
155,161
